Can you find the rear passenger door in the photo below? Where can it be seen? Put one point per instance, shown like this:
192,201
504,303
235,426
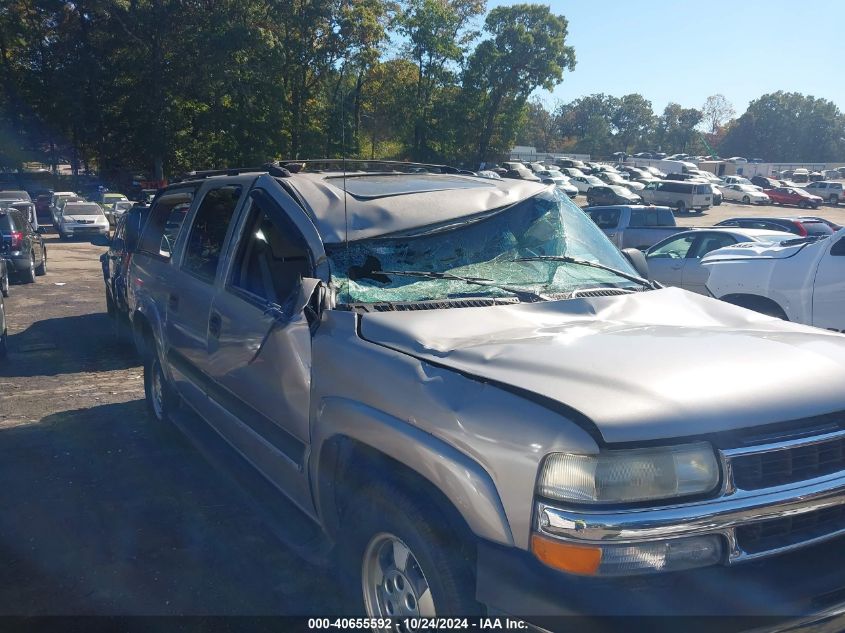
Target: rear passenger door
259,339
189,300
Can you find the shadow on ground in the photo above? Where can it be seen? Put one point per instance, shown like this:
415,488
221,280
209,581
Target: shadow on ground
65,345
106,512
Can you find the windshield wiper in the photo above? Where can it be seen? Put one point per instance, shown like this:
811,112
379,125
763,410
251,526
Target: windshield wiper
586,262
521,293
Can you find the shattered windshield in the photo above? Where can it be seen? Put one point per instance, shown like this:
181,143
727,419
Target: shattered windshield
480,247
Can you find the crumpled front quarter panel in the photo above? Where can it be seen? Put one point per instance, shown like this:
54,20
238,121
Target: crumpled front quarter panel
454,430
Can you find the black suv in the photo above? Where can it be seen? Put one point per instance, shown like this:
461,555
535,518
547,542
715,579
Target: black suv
765,183
22,246
115,263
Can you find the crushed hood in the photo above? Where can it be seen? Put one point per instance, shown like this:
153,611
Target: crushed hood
651,365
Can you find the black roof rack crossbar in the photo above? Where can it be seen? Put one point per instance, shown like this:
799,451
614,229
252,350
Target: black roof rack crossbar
274,169
340,163
284,168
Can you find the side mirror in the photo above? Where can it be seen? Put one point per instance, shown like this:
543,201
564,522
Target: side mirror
637,260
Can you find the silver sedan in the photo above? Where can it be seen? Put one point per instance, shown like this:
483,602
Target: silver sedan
676,261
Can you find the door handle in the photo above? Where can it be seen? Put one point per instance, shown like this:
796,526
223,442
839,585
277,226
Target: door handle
173,302
215,323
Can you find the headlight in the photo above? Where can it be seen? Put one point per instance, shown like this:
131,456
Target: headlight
643,474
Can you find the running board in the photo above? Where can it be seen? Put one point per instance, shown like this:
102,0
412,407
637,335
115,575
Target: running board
286,522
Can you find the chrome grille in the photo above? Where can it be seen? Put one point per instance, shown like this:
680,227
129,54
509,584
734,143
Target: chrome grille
790,464
787,532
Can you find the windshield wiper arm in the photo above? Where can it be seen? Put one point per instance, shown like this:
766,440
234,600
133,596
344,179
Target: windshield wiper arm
586,262
521,293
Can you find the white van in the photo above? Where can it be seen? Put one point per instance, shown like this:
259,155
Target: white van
801,175
680,195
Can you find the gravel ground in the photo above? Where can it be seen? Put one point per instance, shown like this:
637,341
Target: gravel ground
103,511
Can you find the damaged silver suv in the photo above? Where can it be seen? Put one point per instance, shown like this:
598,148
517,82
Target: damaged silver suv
474,402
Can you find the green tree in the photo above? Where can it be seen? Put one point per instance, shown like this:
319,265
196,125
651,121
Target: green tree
589,120
437,34
676,127
634,121
526,50
788,126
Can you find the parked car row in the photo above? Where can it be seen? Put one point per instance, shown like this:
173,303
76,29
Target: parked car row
22,248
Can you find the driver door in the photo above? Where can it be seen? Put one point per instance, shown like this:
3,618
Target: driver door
694,276
829,288
666,263
259,340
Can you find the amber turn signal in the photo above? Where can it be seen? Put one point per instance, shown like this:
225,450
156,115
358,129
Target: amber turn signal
575,559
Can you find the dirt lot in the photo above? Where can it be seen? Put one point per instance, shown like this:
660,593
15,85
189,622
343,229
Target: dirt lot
103,511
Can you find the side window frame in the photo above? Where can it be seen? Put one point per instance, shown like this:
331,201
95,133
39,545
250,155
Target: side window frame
184,237
283,222
192,191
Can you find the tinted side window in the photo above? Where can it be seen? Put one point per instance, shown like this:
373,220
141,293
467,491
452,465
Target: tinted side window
164,222
605,218
638,218
208,232
665,217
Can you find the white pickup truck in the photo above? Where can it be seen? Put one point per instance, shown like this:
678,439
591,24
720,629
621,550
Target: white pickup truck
800,280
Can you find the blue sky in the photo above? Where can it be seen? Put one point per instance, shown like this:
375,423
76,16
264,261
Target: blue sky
684,51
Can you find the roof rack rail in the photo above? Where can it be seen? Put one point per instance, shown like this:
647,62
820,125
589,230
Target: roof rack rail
284,168
274,169
339,163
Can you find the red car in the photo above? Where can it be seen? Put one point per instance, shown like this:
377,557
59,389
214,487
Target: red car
792,195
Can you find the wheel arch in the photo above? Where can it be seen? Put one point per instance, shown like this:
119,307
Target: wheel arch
758,303
360,445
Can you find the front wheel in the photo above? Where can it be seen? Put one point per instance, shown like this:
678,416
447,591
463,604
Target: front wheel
834,199
746,200
161,398
4,285
405,559
4,345
682,208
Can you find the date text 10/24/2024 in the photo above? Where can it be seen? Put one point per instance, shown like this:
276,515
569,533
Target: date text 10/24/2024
419,623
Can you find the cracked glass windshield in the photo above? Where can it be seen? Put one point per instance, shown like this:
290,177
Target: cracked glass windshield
481,247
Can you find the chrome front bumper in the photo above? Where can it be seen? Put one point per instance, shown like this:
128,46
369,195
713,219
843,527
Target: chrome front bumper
732,509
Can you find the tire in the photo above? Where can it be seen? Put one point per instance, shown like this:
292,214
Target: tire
162,400
746,200
41,269
834,200
4,285
28,276
387,526
681,207
4,345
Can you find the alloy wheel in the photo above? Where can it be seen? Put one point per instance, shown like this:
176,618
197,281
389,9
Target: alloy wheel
393,581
